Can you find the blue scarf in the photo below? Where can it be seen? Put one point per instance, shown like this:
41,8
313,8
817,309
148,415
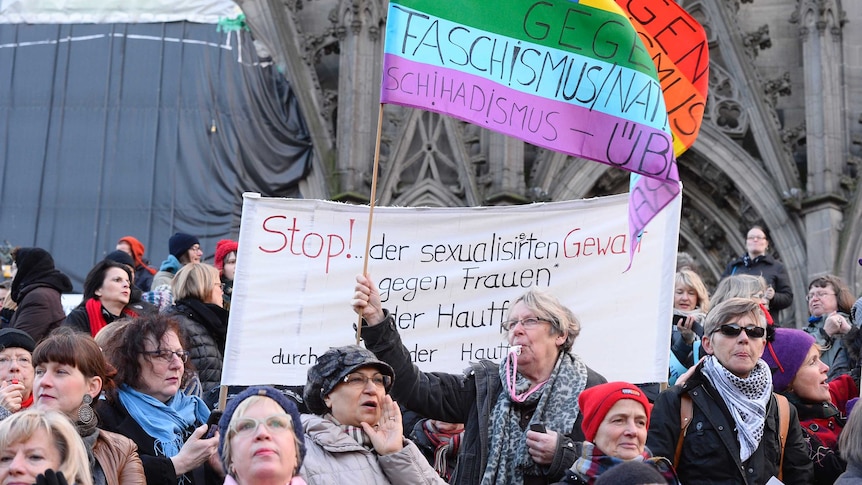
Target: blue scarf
167,423
171,265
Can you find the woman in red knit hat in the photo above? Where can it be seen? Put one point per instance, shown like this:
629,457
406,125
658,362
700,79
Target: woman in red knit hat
225,262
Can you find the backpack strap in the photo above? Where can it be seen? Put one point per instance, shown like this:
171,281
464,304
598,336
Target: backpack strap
783,427
685,413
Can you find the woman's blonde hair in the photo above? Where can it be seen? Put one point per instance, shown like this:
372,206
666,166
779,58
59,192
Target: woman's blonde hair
195,280
241,409
690,279
20,426
739,286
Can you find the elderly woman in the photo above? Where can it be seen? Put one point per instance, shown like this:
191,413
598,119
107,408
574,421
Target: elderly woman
16,371
149,407
107,289
34,442
520,421
356,434
36,289
829,304
260,439
800,376
690,304
616,418
757,262
70,375
733,432
203,320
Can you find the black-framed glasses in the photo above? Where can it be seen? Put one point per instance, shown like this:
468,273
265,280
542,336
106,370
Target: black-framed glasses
361,380
167,355
525,322
277,423
733,330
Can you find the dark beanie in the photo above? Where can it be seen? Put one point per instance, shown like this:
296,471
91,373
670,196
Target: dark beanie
633,472
121,257
786,356
332,367
272,393
18,339
180,243
596,401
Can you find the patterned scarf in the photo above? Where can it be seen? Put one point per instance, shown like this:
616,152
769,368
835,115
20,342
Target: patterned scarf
591,463
556,406
445,448
746,399
357,433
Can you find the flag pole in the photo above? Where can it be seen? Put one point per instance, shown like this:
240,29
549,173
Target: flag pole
371,201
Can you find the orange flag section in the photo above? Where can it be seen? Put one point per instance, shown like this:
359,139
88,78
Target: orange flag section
678,47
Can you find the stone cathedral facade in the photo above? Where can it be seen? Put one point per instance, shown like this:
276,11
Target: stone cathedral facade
780,145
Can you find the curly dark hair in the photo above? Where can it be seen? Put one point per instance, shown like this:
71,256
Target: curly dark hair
124,349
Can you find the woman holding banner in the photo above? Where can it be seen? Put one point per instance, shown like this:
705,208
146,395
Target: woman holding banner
520,417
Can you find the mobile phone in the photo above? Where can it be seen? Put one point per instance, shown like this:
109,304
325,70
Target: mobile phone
212,422
677,319
538,427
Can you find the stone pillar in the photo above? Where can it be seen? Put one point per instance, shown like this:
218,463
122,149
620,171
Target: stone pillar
506,170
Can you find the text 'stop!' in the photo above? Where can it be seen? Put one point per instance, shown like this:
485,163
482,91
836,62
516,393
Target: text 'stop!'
573,77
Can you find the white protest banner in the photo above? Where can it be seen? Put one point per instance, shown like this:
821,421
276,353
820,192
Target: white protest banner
449,274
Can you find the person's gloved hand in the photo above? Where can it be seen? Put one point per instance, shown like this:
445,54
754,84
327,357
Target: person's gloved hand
51,478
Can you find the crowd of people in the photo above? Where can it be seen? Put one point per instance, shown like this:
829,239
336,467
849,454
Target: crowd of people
124,389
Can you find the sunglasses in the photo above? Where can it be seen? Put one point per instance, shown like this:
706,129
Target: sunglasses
733,330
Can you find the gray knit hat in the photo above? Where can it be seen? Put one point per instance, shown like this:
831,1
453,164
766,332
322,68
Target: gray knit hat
332,367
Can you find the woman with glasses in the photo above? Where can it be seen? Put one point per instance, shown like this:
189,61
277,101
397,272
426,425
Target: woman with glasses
260,439
71,373
757,262
520,415
16,371
202,318
829,303
149,407
355,434
733,432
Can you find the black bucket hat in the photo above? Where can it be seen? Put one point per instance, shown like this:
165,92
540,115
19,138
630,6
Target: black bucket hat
330,370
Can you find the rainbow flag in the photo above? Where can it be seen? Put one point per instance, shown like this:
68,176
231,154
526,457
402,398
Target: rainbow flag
569,76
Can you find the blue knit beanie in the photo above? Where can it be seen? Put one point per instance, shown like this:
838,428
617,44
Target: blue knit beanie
277,396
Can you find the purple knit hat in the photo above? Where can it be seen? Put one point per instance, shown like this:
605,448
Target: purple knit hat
786,356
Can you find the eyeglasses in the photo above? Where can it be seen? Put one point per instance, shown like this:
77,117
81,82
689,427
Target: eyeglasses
167,355
733,330
361,380
277,423
197,248
755,238
22,361
526,323
819,295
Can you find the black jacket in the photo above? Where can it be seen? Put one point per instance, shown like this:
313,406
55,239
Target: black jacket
774,274
467,399
204,328
710,451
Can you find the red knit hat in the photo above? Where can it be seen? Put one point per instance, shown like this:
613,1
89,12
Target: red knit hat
596,401
223,248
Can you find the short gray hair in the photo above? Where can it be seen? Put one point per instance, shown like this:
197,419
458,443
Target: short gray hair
548,307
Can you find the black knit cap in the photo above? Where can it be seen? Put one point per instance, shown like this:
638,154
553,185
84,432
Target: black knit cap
631,473
180,243
121,257
330,370
272,393
18,339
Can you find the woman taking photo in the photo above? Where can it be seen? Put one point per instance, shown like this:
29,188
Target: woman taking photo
148,406
260,439
733,433
800,376
203,321
517,432
356,434
33,443
107,289
70,374
690,304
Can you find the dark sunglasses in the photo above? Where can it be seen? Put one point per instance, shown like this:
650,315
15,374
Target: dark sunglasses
733,330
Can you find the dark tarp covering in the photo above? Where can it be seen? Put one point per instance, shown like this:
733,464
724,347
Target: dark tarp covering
111,130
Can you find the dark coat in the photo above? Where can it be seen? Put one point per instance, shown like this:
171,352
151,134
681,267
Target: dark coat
114,417
710,451
774,274
143,278
467,398
36,288
204,328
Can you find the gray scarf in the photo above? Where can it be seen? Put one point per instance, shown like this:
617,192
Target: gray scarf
556,406
746,399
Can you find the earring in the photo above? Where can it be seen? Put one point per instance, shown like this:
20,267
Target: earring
86,415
